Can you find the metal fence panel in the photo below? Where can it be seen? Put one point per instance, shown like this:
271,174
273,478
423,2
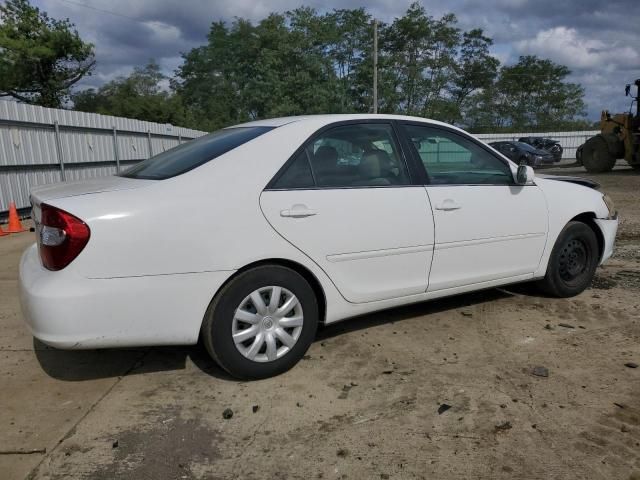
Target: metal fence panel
43,145
26,146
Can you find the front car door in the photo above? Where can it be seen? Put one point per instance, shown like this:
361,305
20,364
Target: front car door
487,228
346,200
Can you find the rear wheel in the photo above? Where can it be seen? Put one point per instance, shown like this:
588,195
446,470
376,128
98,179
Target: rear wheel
573,261
596,156
261,323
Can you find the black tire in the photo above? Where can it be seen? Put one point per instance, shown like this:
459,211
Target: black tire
217,326
573,261
596,156
579,154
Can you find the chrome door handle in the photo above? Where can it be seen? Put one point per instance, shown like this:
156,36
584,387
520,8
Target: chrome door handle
298,211
448,204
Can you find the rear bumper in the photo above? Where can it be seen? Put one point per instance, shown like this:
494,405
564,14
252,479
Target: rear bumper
68,311
609,228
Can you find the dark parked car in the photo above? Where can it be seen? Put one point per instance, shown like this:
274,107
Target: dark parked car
521,152
546,144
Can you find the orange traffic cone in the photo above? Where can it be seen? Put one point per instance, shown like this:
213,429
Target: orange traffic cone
14,221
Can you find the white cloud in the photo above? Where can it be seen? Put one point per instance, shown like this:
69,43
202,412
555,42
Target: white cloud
568,47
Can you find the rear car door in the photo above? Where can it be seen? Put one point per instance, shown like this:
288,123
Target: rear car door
487,228
346,200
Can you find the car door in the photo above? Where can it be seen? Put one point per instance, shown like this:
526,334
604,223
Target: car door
346,200
487,228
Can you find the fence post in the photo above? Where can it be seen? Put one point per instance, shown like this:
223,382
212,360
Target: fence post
150,144
115,149
56,128
179,139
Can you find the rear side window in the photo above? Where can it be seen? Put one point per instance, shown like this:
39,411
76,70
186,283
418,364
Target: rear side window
297,175
192,154
355,155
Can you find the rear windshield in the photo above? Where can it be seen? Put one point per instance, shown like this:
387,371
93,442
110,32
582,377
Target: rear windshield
192,154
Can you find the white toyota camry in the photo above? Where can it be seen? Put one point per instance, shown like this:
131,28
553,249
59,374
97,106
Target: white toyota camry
251,236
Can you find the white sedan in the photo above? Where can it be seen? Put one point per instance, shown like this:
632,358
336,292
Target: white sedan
251,236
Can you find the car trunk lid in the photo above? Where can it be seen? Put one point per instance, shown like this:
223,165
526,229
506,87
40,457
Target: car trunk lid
45,193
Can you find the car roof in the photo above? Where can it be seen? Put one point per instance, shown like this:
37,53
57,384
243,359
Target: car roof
332,118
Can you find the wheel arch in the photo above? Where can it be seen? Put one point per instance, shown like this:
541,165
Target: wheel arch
588,218
315,284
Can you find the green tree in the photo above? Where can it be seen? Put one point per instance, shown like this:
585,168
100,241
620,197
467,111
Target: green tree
349,50
40,58
475,70
405,45
303,62
421,51
277,67
140,95
532,94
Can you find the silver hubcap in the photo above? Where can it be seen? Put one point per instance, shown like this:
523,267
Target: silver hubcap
267,324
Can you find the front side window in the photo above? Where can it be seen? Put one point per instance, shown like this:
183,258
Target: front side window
193,153
357,155
451,159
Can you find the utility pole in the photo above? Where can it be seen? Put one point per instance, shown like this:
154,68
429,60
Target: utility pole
375,66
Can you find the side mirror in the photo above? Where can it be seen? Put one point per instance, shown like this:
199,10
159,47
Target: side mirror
525,175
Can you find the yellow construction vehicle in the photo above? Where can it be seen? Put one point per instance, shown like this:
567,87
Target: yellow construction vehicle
619,137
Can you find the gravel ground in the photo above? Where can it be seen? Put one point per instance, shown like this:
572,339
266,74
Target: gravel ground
498,384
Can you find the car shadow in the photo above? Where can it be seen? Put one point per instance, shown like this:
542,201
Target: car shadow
82,365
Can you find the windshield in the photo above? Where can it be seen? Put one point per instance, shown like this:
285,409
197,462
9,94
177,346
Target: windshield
192,154
526,147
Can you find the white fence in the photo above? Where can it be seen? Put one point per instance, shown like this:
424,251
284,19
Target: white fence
45,145
570,141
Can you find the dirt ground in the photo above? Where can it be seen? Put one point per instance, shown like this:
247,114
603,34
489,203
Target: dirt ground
439,390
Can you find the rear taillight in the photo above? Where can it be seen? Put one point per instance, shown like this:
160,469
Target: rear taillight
61,237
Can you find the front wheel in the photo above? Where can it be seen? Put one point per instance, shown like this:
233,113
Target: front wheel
573,261
261,323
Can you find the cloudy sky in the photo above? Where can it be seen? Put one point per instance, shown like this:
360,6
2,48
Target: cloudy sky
599,41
